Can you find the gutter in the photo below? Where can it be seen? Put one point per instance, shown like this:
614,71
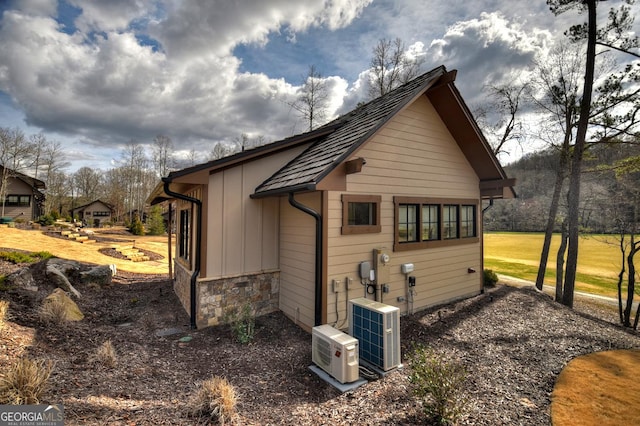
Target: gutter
196,271
318,266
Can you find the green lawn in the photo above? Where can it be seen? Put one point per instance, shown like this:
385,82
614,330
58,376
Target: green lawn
518,255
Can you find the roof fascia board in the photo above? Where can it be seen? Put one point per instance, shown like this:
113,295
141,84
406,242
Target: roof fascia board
245,156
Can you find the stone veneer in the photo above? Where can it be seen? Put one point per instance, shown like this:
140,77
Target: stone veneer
215,298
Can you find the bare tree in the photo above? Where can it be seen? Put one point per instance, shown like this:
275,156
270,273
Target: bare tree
499,118
557,90
312,99
162,155
613,34
87,183
391,66
16,154
219,150
38,144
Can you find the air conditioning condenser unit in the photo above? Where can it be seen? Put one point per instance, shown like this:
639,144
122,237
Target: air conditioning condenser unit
377,328
335,352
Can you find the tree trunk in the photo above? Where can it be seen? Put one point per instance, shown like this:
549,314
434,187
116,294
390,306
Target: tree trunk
553,212
576,163
560,261
621,277
631,285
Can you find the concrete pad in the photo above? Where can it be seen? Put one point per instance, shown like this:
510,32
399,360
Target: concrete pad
342,387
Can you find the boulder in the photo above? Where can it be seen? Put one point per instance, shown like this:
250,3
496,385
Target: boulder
100,275
67,267
23,279
59,279
72,311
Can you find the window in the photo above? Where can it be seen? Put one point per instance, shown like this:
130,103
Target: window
103,214
360,214
450,221
467,221
18,200
407,223
425,222
183,238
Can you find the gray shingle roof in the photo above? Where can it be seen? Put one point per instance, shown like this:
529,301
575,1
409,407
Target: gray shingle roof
353,129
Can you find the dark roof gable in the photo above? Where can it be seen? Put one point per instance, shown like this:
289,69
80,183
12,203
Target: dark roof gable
353,129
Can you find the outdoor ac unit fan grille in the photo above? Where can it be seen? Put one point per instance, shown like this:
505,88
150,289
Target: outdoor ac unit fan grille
377,328
322,353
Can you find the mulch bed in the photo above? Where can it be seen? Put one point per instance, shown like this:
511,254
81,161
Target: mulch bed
512,341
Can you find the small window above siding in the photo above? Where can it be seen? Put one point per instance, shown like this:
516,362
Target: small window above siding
360,214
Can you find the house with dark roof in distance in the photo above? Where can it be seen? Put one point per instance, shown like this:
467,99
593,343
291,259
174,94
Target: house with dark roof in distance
95,214
23,196
396,186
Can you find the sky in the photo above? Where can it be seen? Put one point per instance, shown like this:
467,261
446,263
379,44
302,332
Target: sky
98,75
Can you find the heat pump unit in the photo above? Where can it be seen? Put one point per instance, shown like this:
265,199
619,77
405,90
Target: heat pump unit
335,352
377,328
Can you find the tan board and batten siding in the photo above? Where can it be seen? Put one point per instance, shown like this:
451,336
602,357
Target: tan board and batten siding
412,155
297,259
242,233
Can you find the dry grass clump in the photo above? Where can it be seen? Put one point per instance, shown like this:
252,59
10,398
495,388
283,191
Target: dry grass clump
216,399
25,382
53,311
105,355
4,312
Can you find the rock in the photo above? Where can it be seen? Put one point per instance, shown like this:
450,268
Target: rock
100,275
59,279
72,311
67,267
23,279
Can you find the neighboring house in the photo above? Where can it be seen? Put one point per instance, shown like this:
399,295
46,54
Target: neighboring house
94,214
397,181
23,196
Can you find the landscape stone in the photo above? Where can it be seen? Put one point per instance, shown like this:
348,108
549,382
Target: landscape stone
23,278
59,279
73,312
100,275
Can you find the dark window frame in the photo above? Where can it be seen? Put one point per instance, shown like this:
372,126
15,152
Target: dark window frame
374,227
21,200
184,236
442,239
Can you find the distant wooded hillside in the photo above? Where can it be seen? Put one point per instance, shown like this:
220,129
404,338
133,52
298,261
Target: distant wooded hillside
601,191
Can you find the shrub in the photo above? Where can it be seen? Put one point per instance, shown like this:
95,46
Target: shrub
20,257
4,312
46,220
242,324
25,382
105,355
216,399
440,384
155,222
136,227
53,312
490,278
54,214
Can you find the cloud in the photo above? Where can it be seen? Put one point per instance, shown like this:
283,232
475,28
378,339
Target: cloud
104,84
490,49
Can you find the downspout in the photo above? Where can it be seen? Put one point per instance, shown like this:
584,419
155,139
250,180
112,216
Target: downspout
488,207
318,272
196,271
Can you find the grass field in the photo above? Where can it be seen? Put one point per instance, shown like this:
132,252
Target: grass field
518,255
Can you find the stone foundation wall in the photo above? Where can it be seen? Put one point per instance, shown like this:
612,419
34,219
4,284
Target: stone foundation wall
181,285
216,298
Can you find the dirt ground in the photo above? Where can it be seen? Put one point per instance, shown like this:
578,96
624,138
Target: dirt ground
514,342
